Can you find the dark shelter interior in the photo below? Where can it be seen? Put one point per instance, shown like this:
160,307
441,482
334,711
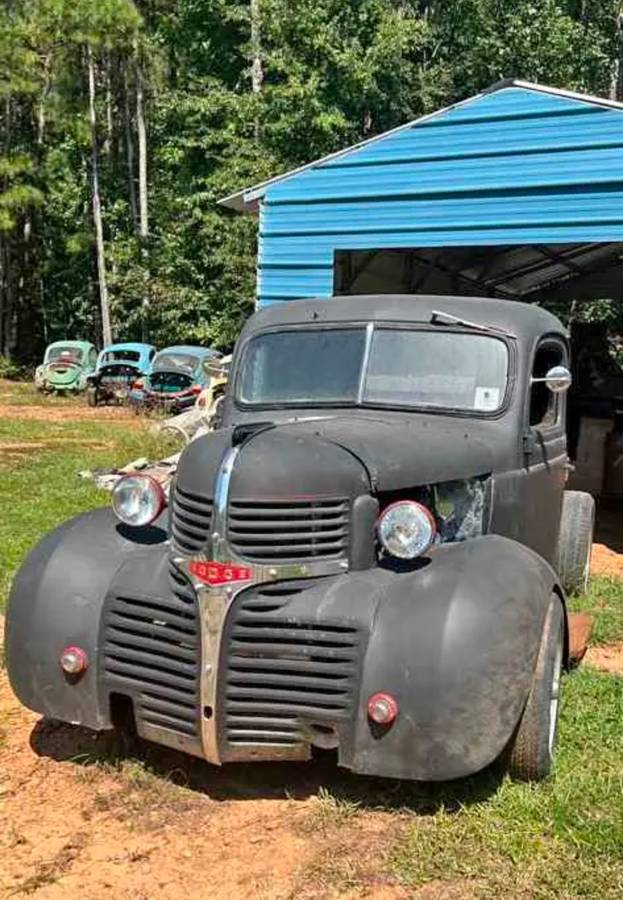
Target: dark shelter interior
570,280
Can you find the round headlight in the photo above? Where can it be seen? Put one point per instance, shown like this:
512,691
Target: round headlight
138,499
406,529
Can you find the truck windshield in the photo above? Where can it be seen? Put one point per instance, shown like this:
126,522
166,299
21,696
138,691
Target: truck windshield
391,367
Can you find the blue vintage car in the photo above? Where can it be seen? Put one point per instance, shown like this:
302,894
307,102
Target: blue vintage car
177,377
119,366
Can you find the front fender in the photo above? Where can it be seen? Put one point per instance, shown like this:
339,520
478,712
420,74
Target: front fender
456,643
56,600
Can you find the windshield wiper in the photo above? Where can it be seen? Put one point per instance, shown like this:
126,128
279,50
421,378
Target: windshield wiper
443,318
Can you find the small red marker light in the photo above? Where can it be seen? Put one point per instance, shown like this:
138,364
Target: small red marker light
382,708
73,661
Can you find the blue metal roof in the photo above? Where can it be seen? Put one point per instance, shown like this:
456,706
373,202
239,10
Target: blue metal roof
519,164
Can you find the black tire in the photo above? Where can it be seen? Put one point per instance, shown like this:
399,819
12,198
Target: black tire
575,540
91,397
533,746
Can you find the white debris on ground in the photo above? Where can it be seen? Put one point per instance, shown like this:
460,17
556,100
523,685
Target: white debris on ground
200,419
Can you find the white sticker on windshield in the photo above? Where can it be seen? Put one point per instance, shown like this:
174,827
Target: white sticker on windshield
486,398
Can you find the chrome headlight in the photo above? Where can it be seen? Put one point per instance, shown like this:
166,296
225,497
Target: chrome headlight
406,529
138,499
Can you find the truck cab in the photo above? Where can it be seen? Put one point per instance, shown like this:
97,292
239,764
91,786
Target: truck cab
371,555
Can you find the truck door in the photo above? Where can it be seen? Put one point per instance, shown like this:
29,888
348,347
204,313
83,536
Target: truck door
544,452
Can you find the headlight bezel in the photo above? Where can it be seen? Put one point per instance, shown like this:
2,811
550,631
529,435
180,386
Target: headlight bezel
422,516
153,491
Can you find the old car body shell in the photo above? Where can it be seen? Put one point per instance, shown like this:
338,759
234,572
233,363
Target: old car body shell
453,635
113,378
59,374
195,379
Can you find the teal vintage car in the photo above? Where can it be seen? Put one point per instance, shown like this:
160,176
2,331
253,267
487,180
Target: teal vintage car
65,366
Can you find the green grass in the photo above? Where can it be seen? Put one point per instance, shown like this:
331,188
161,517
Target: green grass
39,485
22,393
605,601
562,839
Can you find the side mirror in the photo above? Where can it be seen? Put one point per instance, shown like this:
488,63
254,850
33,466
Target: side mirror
558,379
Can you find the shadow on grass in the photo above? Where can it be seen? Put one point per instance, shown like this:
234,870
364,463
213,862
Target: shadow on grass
255,781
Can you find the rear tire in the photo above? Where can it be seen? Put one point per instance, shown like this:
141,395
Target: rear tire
533,747
575,541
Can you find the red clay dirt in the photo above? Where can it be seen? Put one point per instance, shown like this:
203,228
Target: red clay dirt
605,561
73,823
580,628
608,658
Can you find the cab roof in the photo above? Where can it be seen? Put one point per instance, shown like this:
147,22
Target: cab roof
522,320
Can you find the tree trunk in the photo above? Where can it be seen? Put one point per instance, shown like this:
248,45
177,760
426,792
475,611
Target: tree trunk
143,229
97,208
129,147
43,99
257,69
6,286
616,72
109,110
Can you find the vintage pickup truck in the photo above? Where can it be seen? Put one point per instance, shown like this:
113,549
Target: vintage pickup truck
371,555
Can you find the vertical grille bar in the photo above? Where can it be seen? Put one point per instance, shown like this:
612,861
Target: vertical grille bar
151,652
283,674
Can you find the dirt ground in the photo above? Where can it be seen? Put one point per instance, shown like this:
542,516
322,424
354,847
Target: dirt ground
69,413
72,820
608,658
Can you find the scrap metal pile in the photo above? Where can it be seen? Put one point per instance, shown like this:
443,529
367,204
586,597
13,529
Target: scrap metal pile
200,419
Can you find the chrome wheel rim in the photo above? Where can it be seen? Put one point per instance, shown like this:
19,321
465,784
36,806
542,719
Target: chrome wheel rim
554,701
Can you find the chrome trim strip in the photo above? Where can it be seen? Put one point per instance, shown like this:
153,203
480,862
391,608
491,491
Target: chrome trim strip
214,602
364,362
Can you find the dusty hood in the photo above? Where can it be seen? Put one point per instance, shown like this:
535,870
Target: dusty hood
401,454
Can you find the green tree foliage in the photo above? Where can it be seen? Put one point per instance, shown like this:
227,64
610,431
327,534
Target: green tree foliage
325,73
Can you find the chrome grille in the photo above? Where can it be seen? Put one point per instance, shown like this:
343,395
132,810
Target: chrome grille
283,673
190,523
279,531
151,651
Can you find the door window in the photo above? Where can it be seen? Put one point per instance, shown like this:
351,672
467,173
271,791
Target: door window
545,406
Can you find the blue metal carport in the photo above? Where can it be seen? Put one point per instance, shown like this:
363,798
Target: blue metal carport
516,193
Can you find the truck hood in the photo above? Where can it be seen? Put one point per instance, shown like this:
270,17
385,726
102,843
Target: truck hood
403,454
335,456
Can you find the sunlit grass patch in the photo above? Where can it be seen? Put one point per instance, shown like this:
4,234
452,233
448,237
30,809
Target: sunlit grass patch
40,488
556,840
604,601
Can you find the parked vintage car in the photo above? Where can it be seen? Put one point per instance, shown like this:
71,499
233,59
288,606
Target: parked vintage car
177,378
119,366
66,366
371,554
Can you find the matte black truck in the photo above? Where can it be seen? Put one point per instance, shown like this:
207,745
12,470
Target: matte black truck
371,555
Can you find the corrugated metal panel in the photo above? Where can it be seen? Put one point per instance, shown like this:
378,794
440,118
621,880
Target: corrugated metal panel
517,166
